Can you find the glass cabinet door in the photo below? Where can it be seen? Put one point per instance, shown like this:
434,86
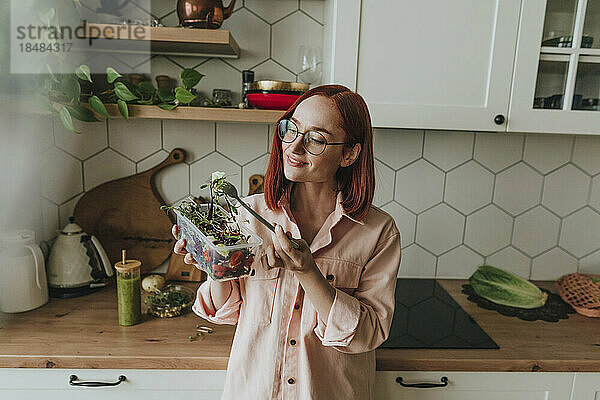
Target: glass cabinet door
556,83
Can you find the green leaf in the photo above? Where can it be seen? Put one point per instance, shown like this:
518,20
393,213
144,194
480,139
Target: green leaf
71,88
66,119
123,92
165,95
166,106
146,89
146,102
83,73
190,77
81,113
183,95
47,16
123,109
111,75
44,103
98,106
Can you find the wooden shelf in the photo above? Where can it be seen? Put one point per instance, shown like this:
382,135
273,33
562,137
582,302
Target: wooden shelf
199,113
162,40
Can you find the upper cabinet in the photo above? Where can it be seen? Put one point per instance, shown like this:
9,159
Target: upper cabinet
556,85
487,65
430,64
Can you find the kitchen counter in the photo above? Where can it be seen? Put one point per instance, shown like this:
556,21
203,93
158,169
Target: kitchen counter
84,333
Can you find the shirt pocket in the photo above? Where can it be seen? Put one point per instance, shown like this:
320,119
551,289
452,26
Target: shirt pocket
343,275
259,293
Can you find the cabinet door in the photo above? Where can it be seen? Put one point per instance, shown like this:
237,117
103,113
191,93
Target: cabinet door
431,64
556,84
475,385
586,387
53,384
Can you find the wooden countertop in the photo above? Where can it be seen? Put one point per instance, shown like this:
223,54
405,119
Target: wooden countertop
84,333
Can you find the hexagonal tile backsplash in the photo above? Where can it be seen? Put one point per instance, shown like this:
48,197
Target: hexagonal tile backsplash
529,204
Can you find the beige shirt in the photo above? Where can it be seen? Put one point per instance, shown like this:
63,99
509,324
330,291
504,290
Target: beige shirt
282,349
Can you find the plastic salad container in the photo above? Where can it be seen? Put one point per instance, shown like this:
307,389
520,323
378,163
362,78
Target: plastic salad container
220,262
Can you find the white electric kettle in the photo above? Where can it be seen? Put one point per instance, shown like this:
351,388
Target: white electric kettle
23,283
78,264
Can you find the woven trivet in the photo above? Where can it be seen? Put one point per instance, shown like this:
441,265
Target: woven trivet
554,310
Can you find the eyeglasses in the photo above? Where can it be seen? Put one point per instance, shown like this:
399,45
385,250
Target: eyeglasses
313,141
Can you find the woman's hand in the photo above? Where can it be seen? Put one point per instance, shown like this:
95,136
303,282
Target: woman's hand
179,248
281,254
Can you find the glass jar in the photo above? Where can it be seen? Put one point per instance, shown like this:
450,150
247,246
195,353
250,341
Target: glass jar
222,97
129,295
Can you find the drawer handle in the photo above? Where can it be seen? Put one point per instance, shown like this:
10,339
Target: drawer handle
424,385
74,381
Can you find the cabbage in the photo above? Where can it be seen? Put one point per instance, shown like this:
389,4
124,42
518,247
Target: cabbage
502,287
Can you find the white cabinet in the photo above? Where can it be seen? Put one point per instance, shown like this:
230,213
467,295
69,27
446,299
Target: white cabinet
586,387
556,84
475,385
431,64
53,384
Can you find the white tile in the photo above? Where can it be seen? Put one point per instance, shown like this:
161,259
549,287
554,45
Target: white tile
552,265
270,70
91,140
197,138
459,263
220,75
241,142
416,263
498,151
384,184
535,231
446,149
440,229
201,171
136,138
580,232
314,8
105,167
585,154
252,35
258,166
488,230
161,7
49,213
397,147
405,221
511,260
289,34
419,186
518,188
65,210
566,190
60,175
595,193
271,11
547,152
590,264
469,187
161,65
45,126
173,182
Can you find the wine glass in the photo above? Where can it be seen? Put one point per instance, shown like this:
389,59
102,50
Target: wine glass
310,64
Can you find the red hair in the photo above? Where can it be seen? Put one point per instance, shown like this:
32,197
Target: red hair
357,181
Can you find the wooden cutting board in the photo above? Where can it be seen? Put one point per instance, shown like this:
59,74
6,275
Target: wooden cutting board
125,214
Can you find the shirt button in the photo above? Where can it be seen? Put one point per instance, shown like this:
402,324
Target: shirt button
329,277
291,381
293,342
296,306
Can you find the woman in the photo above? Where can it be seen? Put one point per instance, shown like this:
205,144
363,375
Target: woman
309,319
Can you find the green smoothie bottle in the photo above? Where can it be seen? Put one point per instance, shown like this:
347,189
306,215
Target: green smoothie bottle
129,291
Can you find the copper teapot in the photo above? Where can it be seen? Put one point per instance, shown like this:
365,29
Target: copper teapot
205,14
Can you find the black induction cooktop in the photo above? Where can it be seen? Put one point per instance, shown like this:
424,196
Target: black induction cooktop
426,317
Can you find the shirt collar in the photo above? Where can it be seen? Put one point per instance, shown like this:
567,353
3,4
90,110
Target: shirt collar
339,211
